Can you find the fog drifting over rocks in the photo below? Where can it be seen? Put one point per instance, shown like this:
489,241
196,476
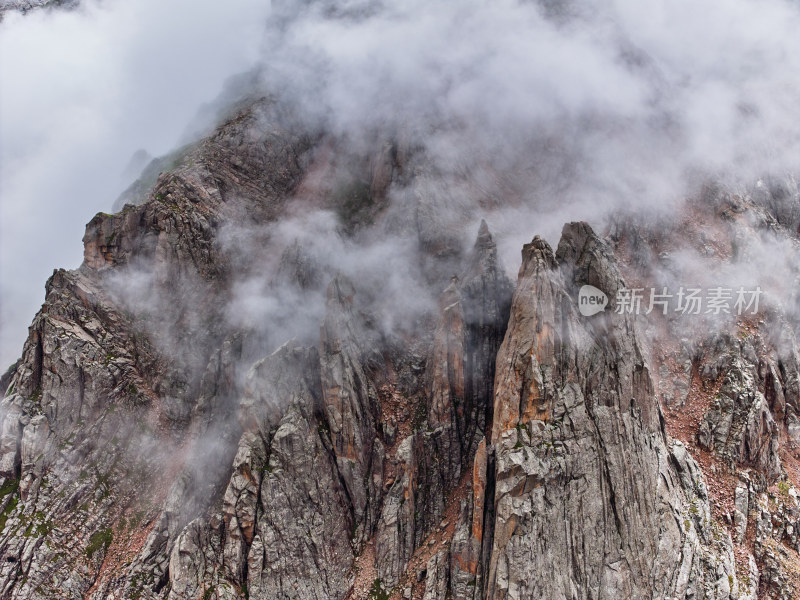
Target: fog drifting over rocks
596,105
82,91
527,113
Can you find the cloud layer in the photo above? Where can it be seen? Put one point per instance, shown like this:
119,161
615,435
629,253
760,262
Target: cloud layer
582,107
527,113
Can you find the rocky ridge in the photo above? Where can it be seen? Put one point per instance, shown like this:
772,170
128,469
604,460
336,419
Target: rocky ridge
505,447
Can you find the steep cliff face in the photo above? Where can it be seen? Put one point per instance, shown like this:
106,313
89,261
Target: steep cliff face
592,498
496,444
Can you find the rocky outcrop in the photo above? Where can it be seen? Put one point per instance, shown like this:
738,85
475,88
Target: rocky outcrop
739,426
301,544
460,365
474,313
590,495
350,405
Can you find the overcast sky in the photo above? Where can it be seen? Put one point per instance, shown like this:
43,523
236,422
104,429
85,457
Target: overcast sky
80,92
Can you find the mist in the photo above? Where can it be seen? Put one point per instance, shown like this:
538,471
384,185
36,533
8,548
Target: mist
542,113
82,91
528,114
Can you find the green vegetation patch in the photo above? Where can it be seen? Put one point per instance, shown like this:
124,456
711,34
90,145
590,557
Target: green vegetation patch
9,487
378,592
100,541
7,510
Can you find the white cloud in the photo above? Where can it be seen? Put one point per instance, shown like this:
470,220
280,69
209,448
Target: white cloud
80,92
635,97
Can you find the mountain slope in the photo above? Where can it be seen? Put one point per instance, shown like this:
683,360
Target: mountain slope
213,407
